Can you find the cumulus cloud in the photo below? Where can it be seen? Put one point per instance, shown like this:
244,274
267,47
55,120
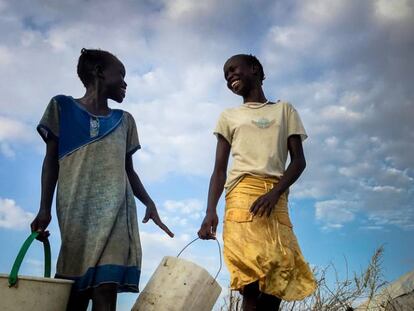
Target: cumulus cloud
14,130
346,65
189,207
334,213
13,216
12,134
187,214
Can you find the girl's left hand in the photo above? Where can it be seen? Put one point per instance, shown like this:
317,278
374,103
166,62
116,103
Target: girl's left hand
265,204
152,213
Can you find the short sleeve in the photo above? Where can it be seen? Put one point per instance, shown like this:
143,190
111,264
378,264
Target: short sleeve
294,123
48,127
132,144
223,128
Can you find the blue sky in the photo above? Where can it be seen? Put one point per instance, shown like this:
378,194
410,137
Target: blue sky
345,65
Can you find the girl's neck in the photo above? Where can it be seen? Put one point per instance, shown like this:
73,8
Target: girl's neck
255,95
95,102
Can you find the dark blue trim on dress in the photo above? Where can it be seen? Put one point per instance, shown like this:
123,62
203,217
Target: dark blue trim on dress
75,125
127,278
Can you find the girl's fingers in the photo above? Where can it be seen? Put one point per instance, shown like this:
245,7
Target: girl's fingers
262,210
203,233
160,224
254,208
166,230
146,217
43,235
269,211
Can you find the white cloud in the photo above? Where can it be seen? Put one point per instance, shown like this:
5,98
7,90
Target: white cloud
345,88
13,216
322,11
12,134
395,10
175,133
346,66
189,206
187,214
11,129
334,213
183,9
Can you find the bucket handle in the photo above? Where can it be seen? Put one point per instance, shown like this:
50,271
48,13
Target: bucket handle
23,250
219,248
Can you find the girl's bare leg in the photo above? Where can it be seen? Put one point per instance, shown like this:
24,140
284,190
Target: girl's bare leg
250,295
104,297
268,303
254,300
78,301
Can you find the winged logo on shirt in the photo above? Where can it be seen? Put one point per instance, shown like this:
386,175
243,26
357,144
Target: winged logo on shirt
263,123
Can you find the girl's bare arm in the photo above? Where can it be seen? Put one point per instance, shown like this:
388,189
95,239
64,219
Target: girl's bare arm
50,172
142,195
265,203
296,166
218,178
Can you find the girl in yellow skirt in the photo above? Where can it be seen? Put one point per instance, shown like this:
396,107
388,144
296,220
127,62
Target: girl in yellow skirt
260,248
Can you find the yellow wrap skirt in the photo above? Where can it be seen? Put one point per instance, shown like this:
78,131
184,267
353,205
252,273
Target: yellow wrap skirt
263,249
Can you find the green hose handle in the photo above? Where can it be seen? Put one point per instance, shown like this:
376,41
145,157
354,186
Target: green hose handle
18,262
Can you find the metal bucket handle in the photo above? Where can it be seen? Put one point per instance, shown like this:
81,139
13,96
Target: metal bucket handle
23,250
219,248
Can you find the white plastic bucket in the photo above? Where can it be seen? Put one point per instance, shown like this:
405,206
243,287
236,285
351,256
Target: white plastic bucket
34,294
179,285
25,293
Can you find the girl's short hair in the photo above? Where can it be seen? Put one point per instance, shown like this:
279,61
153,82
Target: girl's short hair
252,60
88,60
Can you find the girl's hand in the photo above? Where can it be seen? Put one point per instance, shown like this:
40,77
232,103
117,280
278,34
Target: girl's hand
40,223
152,213
208,227
265,203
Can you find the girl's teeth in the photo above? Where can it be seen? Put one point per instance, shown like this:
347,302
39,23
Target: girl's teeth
234,83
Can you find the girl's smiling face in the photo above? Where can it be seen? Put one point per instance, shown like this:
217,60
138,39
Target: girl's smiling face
114,75
239,75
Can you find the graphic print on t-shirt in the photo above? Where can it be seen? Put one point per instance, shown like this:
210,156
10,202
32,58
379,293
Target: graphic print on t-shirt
263,123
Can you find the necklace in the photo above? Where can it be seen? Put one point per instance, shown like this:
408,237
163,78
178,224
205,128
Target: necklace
256,105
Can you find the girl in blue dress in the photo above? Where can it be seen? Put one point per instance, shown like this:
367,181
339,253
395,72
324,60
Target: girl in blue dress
89,156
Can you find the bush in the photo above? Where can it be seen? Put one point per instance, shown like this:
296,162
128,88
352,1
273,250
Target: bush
342,295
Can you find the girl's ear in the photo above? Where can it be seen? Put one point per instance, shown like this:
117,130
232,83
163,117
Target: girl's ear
255,69
98,72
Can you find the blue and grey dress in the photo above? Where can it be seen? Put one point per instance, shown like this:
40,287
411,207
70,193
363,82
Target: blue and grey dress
95,204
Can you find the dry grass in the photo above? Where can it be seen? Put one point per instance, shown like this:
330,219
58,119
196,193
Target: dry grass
337,295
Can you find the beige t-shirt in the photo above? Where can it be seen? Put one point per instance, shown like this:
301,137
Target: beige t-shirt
258,137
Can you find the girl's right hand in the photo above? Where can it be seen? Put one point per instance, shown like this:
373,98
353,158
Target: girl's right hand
40,223
208,227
